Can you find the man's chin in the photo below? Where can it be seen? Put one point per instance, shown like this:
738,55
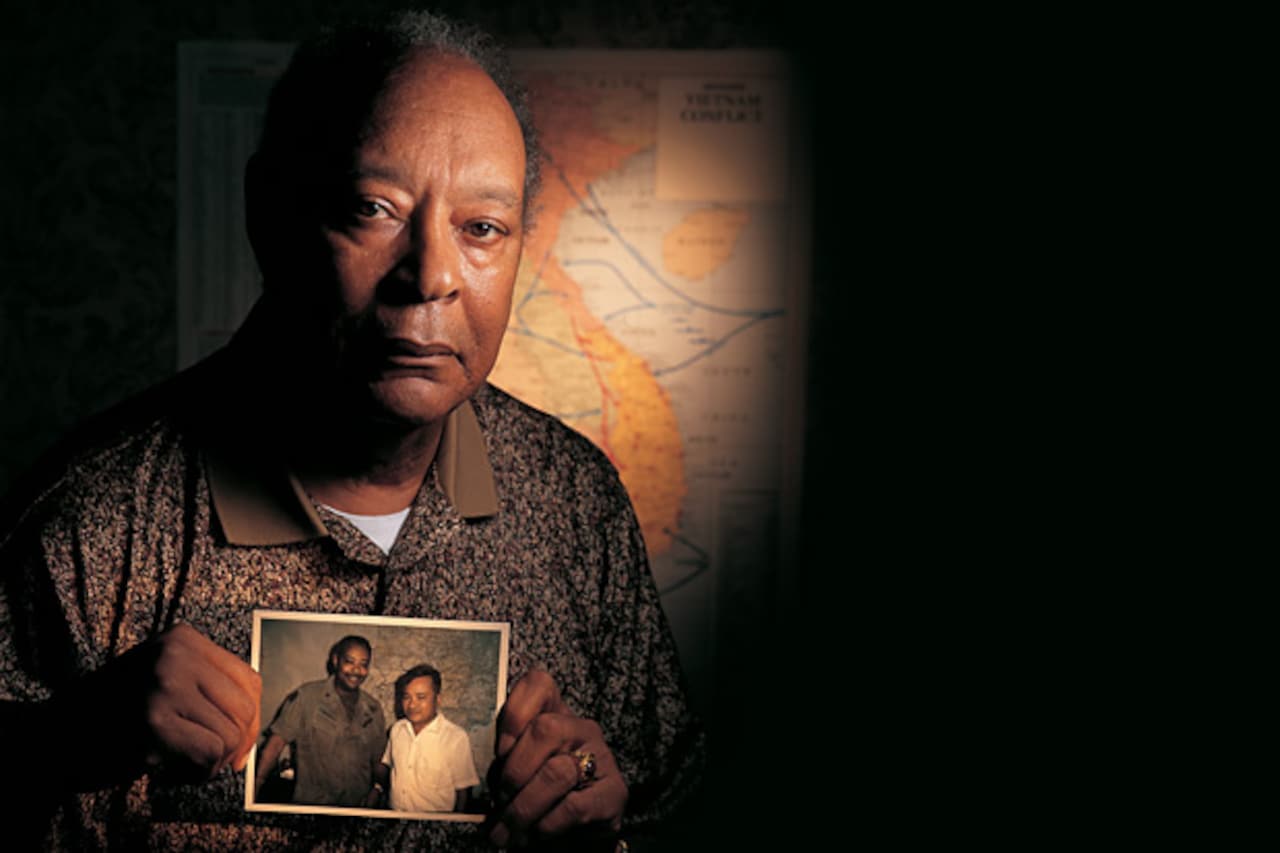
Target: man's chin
412,401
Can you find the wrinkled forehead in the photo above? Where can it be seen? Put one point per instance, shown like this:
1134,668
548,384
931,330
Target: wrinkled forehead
433,93
433,72
321,114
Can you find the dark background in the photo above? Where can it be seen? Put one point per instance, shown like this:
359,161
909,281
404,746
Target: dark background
88,122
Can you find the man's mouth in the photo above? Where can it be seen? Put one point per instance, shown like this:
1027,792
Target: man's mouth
406,354
408,349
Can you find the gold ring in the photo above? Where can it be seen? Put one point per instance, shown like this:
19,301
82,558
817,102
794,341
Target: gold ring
586,768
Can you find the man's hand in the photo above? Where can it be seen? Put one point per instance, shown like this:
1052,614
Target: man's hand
177,705
537,791
374,799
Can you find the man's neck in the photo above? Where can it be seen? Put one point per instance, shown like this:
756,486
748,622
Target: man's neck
340,456
417,729
370,474
347,697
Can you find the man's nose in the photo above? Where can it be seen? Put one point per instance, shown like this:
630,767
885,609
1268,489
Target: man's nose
430,267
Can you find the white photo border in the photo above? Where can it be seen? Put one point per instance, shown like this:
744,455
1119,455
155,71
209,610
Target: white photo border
503,629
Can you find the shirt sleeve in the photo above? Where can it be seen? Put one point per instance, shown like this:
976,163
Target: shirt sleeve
37,640
641,704
380,741
288,721
62,585
66,589
464,765
42,650
386,752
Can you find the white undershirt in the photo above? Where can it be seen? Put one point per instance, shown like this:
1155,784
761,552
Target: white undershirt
381,529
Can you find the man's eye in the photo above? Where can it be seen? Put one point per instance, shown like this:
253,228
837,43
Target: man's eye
366,209
483,230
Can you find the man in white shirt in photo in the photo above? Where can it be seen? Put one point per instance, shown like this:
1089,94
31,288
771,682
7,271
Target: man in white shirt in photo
428,759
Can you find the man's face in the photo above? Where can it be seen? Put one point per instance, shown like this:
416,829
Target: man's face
419,702
421,241
351,667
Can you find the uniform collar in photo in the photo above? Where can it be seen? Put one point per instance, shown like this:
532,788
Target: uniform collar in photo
261,506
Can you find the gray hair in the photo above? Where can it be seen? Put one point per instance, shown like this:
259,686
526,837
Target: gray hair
319,103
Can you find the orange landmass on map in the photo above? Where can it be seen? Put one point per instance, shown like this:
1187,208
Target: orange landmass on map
636,425
703,241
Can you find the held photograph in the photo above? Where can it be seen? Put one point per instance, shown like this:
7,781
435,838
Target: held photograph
375,716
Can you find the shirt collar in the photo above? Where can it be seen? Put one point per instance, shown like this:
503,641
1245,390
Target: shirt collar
437,722
257,504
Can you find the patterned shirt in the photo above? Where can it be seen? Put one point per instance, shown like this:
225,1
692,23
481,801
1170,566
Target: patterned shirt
171,511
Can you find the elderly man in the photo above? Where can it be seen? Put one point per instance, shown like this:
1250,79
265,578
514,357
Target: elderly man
337,730
344,454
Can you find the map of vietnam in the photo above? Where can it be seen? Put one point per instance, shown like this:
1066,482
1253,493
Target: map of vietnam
560,356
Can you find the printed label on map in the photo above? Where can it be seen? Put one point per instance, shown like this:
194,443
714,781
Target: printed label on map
721,138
